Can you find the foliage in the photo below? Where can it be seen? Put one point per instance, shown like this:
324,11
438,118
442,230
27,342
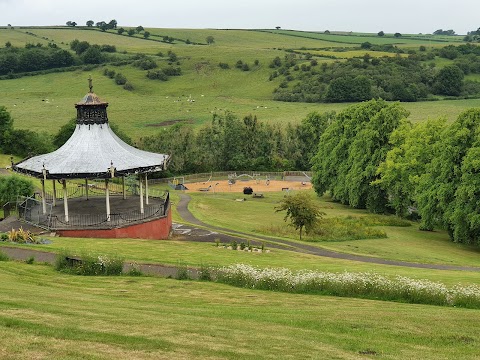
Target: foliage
301,211
210,40
13,186
449,81
413,149
88,264
21,236
228,143
6,127
438,200
33,58
351,149
364,285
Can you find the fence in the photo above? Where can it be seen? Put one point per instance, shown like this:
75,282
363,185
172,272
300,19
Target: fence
223,175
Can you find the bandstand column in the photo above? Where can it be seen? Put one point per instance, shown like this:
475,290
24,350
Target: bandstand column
141,194
44,201
86,188
65,200
107,196
54,200
146,189
123,188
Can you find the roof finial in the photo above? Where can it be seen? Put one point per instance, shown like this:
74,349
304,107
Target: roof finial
90,83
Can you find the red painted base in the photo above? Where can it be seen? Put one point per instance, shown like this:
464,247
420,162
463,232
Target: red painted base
156,230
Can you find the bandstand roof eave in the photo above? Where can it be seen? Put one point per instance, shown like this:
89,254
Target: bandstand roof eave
92,152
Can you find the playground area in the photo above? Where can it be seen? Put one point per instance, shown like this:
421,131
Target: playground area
254,183
258,186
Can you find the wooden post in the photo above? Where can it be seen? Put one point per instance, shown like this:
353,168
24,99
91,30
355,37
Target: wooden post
146,189
44,201
65,200
123,188
141,193
86,187
107,195
54,200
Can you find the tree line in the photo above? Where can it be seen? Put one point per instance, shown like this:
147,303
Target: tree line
36,57
370,156
391,78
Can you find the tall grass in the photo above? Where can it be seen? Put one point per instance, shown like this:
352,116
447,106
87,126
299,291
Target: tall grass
363,285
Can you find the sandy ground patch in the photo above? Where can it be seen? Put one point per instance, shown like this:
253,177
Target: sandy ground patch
259,186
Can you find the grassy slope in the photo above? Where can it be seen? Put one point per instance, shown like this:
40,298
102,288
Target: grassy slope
150,318
153,102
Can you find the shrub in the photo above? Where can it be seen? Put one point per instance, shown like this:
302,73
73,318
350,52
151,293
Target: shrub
157,75
120,79
30,260
245,67
128,86
204,273
88,264
224,66
182,272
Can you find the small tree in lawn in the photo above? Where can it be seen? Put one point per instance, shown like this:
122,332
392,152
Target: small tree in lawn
210,40
301,210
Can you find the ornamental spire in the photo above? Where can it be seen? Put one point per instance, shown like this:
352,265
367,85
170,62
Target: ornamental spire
90,84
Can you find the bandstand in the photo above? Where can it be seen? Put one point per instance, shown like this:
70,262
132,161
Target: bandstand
90,169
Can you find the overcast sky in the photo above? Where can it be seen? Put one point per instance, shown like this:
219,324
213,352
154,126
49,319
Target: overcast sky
405,16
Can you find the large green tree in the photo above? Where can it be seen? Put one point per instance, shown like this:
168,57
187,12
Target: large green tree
437,191
6,127
350,151
407,160
449,81
13,186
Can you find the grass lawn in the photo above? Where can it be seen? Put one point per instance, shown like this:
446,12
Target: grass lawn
152,318
402,243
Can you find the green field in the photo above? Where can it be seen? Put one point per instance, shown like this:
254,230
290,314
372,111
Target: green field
152,103
151,318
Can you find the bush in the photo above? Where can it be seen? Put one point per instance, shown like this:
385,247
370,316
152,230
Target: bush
120,79
182,272
224,66
145,64
30,260
157,75
88,264
204,273
128,86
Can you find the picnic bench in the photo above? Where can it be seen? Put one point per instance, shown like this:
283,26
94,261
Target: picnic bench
257,195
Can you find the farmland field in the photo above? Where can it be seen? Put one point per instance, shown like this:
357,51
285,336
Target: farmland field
45,102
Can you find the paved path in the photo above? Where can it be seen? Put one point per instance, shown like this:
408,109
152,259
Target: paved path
219,232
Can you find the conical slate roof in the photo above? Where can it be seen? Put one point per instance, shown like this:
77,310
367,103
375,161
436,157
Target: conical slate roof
93,150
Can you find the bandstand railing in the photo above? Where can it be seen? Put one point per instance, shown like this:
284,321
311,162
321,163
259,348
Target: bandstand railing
30,210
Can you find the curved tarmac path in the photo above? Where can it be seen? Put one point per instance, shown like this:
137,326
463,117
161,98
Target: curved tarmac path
229,235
